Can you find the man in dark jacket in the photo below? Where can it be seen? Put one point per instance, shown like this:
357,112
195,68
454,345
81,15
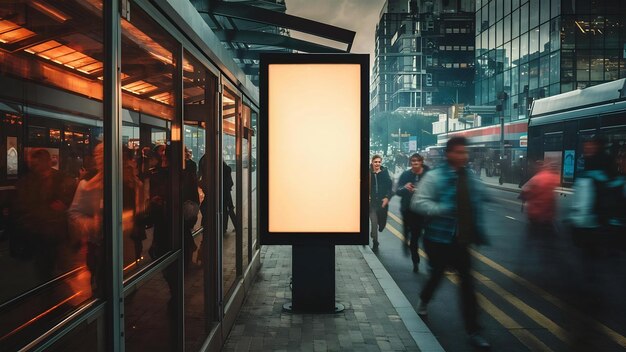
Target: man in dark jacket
380,193
411,221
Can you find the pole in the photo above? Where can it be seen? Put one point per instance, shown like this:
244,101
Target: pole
399,142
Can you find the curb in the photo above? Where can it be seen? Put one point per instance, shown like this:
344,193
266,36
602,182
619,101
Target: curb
421,334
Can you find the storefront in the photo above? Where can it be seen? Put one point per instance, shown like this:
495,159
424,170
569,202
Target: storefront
127,178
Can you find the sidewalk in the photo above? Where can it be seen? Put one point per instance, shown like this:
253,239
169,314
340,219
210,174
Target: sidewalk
377,316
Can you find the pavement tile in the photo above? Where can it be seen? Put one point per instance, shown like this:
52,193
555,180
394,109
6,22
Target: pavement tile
370,322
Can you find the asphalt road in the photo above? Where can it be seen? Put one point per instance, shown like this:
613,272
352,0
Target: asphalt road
535,293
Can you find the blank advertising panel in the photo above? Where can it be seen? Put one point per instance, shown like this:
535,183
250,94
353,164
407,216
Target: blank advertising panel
315,151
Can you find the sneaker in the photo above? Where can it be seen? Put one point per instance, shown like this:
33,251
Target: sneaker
478,341
422,308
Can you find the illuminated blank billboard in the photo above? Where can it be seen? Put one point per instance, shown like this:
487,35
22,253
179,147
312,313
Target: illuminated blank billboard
314,168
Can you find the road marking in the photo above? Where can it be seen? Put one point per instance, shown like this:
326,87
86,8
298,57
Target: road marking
508,201
522,334
510,217
614,335
532,313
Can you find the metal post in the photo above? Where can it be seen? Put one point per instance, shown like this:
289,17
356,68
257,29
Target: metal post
399,141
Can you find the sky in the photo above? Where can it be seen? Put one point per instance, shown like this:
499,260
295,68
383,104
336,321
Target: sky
360,16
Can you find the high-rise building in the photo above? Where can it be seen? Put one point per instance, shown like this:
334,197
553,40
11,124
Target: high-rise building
424,55
531,49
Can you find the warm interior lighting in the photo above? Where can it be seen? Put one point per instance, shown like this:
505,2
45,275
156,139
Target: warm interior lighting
314,131
139,87
50,11
64,55
11,32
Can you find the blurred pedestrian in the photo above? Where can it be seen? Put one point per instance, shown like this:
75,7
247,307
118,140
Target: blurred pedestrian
411,221
538,193
39,213
598,198
380,194
451,198
85,219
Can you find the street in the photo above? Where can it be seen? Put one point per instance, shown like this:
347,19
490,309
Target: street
537,294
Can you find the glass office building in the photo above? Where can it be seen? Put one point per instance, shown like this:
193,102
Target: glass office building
532,49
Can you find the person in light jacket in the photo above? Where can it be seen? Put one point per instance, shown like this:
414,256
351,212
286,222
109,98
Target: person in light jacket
450,197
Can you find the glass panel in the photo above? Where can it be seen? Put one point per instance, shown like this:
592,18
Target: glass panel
533,74
515,24
523,78
147,90
523,21
555,34
150,322
555,67
88,336
582,66
533,46
245,185
499,33
515,52
507,7
545,10
544,71
555,9
596,62
544,39
534,13
52,176
523,48
612,29
253,185
611,63
229,174
492,13
507,29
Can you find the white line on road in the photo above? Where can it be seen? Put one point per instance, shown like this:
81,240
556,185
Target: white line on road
510,217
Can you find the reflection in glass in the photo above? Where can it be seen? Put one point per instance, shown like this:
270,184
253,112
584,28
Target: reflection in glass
229,175
253,187
52,255
147,90
149,311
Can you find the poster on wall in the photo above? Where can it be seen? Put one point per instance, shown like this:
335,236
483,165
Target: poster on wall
12,157
54,155
553,160
569,157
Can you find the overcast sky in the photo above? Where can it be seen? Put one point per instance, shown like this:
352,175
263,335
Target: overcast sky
360,16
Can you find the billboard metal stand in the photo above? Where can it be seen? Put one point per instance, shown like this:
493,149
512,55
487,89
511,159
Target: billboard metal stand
313,107
313,280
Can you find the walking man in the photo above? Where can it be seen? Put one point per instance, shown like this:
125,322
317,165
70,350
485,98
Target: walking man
411,221
380,193
451,197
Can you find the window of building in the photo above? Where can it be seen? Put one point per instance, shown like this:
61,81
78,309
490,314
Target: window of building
533,43
524,19
582,65
555,67
544,71
492,13
523,47
507,29
515,24
499,33
596,65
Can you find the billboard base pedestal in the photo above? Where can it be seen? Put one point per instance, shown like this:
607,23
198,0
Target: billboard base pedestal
313,280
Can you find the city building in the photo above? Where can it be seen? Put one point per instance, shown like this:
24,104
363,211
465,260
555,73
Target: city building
424,56
531,49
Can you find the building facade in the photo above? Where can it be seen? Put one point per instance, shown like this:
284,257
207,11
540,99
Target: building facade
532,49
424,56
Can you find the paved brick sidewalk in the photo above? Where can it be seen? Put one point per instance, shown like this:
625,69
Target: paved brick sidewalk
369,323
